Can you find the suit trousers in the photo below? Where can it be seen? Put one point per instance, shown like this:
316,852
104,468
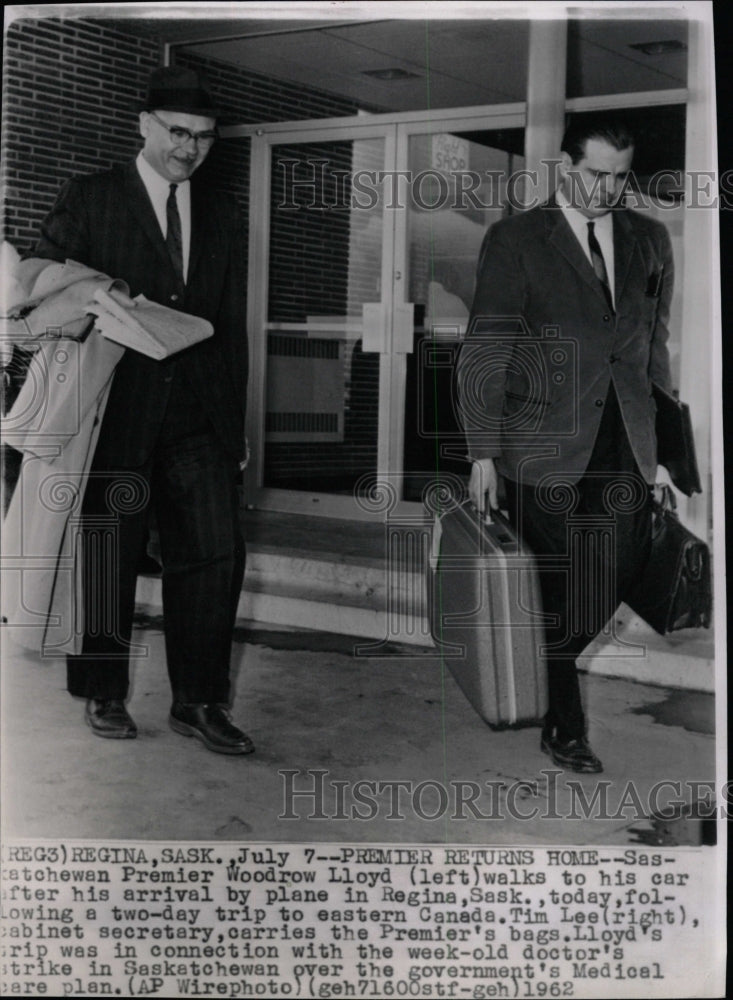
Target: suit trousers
191,482
591,539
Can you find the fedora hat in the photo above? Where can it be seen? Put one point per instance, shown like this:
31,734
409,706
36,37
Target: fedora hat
175,88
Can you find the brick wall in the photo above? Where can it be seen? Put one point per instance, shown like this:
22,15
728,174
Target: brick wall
70,88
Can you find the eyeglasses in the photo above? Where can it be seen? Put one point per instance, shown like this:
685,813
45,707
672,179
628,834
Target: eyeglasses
180,136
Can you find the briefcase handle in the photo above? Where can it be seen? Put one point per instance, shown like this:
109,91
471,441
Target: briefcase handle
667,499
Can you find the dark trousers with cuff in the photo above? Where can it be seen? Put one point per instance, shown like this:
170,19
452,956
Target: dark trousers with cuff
191,482
589,553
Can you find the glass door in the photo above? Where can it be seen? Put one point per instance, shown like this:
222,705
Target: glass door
323,320
464,176
364,239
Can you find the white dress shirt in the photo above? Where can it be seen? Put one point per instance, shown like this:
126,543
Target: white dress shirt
603,230
158,189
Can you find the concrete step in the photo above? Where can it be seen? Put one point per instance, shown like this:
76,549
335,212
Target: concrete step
385,600
634,651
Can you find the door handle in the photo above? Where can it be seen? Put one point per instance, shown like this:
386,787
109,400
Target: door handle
404,327
374,327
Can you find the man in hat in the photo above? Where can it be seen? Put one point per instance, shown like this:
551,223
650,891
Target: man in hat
173,430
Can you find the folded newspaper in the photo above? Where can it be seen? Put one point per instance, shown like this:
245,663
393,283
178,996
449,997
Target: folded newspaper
147,327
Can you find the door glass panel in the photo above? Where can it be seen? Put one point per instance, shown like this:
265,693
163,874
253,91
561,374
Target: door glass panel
459,188
322,392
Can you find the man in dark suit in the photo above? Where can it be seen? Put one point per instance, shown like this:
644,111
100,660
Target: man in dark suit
173,430
567,333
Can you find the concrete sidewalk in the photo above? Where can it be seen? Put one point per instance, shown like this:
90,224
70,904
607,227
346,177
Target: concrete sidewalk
311,705
368,579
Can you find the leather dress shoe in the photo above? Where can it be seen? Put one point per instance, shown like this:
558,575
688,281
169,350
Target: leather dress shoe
573,755
109,718
211,725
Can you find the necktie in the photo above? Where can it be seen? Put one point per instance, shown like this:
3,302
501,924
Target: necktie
174,238
599,265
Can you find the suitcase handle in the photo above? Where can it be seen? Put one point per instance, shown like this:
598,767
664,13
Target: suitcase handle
491,515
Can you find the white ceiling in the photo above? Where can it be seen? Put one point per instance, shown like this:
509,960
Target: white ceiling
456,62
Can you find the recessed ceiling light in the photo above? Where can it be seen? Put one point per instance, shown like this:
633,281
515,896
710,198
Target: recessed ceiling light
393,73
660,48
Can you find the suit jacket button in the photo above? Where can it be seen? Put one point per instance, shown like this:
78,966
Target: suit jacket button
174,298
599,402
606,318
613,358
168,378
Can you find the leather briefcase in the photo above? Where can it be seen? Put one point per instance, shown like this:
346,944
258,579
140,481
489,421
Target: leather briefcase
675,589
675,442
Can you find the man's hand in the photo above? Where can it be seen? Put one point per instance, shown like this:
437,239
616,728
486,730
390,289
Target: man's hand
484,479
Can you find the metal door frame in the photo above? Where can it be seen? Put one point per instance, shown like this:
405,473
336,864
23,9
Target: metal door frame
302,501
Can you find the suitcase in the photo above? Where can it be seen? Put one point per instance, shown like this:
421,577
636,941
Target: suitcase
486,616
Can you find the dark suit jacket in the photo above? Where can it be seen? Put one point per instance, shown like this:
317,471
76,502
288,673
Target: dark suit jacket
543,346
106,221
